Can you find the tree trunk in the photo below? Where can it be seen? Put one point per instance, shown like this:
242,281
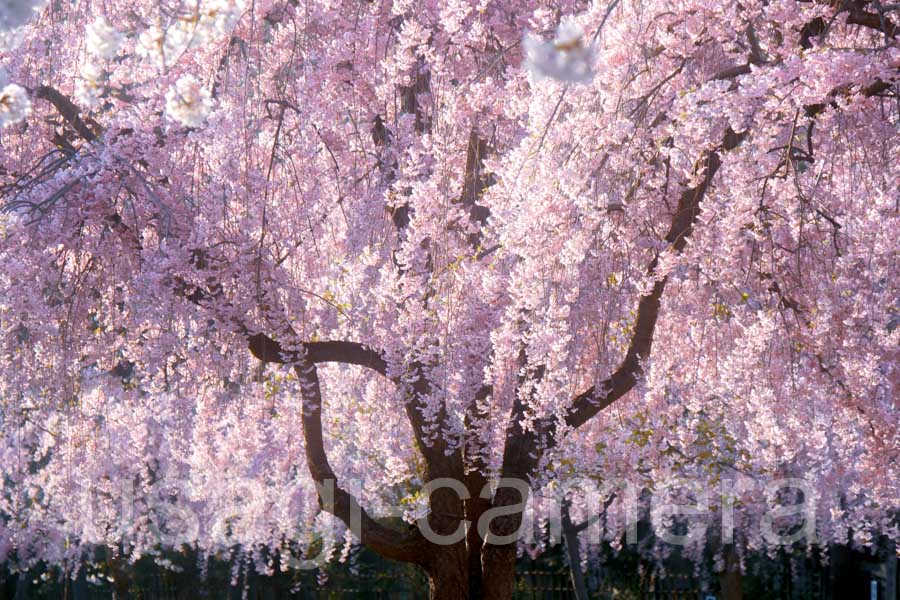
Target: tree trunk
498,565
570,534
80,586
448,574
22,580
447,584
730,582
122,583
730,578
451,578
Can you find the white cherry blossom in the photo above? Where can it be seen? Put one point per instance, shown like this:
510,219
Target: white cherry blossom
188,102
566,58
14,104
102,39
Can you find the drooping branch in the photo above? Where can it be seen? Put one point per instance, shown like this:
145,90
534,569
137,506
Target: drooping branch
433,448
402,546
624,378
524,446
439,462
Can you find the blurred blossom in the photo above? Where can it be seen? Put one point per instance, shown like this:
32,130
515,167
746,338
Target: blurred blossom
92,72
188,102
102,39
566,58
199,24
14,104
87,93
157,46
13,15
205,21
89,88
214,17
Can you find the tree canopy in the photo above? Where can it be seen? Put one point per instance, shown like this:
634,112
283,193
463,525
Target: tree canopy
251,247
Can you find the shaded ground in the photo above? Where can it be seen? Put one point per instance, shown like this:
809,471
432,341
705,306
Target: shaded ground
787,576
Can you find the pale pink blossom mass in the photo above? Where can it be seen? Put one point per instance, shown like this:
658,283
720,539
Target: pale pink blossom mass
246,249
188,102
14,104
102,39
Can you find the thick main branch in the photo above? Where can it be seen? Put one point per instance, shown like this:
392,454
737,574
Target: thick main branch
389,543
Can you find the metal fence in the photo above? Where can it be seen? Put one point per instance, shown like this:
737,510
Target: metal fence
557,585
543,585
793,577
529,585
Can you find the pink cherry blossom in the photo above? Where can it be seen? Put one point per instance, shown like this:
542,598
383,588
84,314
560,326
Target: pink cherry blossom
262,249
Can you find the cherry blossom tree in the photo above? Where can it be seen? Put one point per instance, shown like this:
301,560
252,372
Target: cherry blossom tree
257,255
